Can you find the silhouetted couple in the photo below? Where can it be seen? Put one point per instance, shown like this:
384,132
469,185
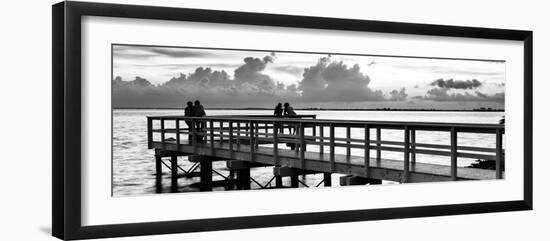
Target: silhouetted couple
196,110
288,111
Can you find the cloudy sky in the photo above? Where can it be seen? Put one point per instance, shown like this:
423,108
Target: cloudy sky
146,76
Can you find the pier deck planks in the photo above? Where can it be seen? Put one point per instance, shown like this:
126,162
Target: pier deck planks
385,169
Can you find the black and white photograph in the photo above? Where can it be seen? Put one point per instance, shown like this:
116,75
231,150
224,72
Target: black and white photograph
275,120
190,119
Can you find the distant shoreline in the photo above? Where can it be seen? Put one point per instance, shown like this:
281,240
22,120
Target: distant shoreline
322,109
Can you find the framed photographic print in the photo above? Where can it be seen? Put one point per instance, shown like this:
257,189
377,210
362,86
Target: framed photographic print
169,120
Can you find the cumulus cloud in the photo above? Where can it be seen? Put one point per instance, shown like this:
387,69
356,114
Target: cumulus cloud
202,78
444,94
250,74
326,81
334,81
396,95
249,88
138,82
456,84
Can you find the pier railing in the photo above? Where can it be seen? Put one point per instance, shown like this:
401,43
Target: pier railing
303,131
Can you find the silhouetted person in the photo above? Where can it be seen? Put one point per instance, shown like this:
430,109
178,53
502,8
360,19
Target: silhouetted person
278,110
279,113
199,112
289,112
189,111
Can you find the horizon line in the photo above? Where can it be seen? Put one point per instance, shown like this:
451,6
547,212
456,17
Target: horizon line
319,109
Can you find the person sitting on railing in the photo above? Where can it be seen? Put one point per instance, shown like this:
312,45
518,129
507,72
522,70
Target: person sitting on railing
199,112
189,111
278,110
289,112
279,113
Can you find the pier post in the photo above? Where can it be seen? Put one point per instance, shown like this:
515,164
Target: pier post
327,179
243,178
348,142
206,175
367,151
406,161
378,144
278,181
332,154
321,135
454,154
499,161
158,175
413,146
252,141
294,181
149,133
162,134
174,169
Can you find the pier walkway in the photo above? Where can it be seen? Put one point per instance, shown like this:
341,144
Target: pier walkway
306,145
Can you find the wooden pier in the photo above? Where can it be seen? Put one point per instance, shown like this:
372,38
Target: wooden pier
246,142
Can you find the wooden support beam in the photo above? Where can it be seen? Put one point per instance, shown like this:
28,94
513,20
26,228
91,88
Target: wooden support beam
189,175
168,153
453,154
302,146
158,169
322,135
217,183
294,182
243,178
206,175
406,164
221,131
231,140
327,179
297,146
149,133
194,136
332,164
413,146
378,139
212,149
278,181
174,176
349,180
276,143
199,158
348,142
178,134
499,160
252,142
256,135
234,164
162,133
290,171
367,151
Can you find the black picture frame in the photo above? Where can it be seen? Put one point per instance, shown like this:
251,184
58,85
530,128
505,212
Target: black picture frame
66,127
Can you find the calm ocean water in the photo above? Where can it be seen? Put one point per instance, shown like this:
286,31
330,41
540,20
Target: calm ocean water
134,165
